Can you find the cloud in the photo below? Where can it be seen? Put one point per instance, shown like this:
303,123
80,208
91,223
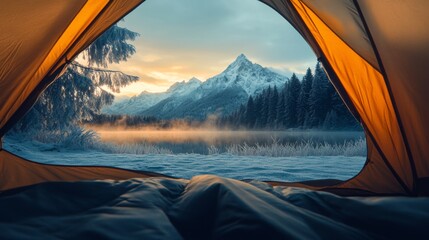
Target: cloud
145,83
167,76
155,81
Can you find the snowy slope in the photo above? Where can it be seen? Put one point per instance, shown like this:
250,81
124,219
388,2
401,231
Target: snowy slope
145,100
129,105
221,94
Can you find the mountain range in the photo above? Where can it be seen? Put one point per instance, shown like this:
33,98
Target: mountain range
195,99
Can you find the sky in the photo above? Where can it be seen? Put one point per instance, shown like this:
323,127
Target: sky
181,39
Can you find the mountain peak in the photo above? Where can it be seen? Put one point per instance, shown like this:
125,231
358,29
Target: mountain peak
242,59
240,63
241,56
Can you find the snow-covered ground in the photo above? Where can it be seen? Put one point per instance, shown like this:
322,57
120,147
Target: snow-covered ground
188,165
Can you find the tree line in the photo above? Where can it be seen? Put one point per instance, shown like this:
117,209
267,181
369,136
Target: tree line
311,103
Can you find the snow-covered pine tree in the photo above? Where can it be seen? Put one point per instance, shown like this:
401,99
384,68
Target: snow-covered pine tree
78,94
111,47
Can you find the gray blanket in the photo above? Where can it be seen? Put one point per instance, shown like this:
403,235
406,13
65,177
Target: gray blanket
205,207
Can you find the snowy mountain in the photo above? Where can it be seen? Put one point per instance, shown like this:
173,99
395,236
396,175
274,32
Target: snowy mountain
221,94
251,77
145,100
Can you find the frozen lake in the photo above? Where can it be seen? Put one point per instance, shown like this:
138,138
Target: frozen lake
186,165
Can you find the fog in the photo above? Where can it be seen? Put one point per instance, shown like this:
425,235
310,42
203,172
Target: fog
213,136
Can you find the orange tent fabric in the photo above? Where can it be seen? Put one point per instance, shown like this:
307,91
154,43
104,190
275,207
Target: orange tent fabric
375,52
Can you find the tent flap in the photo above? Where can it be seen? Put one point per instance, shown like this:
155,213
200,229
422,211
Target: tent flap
18,172
52,32
390,98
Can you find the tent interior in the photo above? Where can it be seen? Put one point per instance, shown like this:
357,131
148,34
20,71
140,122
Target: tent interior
375,53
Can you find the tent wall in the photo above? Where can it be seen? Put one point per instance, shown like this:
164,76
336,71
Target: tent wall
27,39
401,39
18,172
385,84
40,37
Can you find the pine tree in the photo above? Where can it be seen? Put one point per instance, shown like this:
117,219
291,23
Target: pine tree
339,116
266,95
258,110
281,111
241,116
331,120
311,103
250,113
292,102
111,47
304,95
317,98
283,117
77,95
345,118
272,105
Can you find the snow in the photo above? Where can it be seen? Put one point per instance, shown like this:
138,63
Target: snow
251,77
188,165
129,106
145,99
184,88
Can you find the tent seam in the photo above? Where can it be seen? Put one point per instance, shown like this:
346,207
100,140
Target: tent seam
392,99
396,176
345,42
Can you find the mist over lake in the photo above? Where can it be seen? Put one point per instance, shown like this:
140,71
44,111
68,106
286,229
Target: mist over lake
200,140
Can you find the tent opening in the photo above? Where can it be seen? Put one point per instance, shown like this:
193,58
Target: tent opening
359,49
265,108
